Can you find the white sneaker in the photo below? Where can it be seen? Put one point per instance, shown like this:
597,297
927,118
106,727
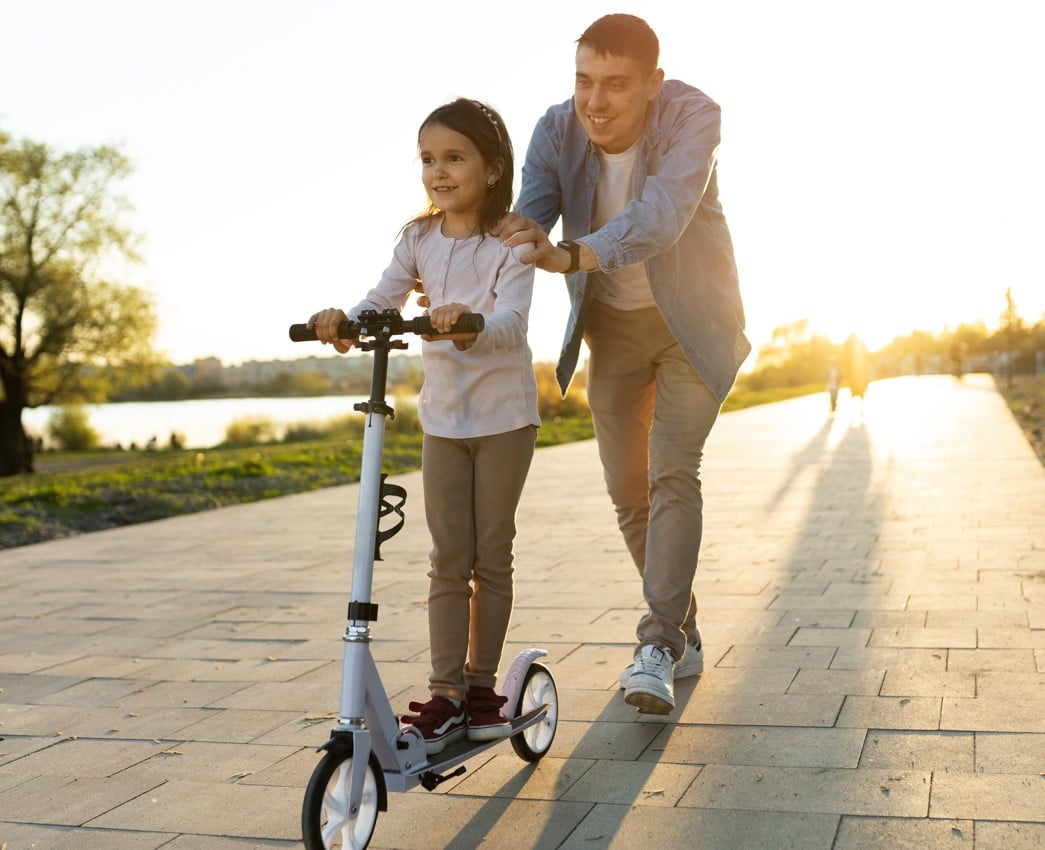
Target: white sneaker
691,664
650,686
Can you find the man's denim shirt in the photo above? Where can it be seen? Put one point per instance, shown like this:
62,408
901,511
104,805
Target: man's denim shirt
674,224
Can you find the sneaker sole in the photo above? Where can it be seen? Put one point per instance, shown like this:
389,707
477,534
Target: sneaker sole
433,748
648,703
681,672
490,733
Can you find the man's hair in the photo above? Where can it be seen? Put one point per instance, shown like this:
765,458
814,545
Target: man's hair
623,35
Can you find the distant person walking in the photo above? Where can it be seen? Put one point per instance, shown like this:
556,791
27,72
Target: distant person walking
856,366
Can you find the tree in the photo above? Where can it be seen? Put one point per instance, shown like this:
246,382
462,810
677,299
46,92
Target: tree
61,321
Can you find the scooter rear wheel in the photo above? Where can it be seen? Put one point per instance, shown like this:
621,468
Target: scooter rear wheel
326,822
537,689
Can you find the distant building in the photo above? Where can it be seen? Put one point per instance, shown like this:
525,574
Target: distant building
208,370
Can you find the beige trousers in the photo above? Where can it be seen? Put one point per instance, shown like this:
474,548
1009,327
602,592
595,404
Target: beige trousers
652,414
472,489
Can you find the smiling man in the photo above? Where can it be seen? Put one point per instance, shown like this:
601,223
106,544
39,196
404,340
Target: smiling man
629,165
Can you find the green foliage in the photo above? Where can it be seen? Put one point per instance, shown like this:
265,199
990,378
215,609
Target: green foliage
70,428
157,382
550,402
793,358
249,431
61,220
136,487
406,420
742,396
301,384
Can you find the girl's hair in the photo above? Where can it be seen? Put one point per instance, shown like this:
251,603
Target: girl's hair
623,35
486,129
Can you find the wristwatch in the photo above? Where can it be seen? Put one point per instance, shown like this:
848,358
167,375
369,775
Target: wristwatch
574,249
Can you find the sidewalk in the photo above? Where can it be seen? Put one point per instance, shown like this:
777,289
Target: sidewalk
872,591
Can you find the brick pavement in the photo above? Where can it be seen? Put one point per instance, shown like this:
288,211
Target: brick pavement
872,591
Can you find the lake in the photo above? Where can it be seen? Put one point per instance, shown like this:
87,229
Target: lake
201,422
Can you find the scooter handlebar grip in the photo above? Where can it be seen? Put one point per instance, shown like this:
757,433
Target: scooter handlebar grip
468,323
349,329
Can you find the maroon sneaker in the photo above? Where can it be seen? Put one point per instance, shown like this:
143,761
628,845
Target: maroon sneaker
439,721
485,720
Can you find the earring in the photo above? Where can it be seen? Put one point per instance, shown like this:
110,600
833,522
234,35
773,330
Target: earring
491,183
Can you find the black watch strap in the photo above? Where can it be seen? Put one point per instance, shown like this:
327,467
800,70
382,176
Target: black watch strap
574,249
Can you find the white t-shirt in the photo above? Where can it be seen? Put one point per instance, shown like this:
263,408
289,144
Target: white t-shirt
627,288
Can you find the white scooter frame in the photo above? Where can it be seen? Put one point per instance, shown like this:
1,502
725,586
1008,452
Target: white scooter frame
368,752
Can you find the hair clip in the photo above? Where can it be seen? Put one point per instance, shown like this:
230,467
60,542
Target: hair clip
493,120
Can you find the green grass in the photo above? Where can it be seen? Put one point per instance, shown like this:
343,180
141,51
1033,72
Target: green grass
75,492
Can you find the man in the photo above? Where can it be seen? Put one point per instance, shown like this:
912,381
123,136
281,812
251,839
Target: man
629,165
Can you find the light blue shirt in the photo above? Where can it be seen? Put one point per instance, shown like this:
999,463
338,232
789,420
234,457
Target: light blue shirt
674,224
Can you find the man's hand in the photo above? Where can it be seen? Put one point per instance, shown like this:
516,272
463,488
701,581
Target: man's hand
516,230
325,323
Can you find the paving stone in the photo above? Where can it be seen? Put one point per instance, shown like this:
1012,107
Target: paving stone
760,709
87,757
858,833
1010,836
624,827
69,801
604,740
911,683
1017,686
943,751
890,712
991,660
894,793
206,762
754,745
475,822
1015,797
23,836
993,715
1009,753
837,682
632,783
924,638
210,808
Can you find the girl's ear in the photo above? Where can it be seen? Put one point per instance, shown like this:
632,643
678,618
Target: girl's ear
496,172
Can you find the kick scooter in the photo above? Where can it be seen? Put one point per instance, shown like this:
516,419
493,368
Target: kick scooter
368,753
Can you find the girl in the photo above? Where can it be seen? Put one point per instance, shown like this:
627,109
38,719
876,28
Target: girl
478,409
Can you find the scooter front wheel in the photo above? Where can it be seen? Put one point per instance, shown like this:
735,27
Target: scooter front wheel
327,821
538,688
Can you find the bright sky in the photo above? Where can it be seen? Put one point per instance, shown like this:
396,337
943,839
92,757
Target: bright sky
880,167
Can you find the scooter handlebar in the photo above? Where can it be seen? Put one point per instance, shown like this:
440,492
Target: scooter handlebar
396,325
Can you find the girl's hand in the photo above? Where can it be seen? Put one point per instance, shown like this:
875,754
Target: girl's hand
443,318
326,323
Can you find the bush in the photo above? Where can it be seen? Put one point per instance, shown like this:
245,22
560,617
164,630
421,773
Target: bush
550,402
71,429
249,431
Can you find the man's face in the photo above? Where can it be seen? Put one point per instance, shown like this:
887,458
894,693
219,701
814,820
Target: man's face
610,97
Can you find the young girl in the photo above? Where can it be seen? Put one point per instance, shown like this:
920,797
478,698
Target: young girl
478,409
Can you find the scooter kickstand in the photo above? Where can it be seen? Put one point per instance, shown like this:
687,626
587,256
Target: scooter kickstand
430,780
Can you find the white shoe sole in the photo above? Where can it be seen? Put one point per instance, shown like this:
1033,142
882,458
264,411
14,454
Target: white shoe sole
648,702
692,664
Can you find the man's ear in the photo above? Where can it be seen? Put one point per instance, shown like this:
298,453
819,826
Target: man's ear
656,80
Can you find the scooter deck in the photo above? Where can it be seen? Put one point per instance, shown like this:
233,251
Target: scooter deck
464,749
